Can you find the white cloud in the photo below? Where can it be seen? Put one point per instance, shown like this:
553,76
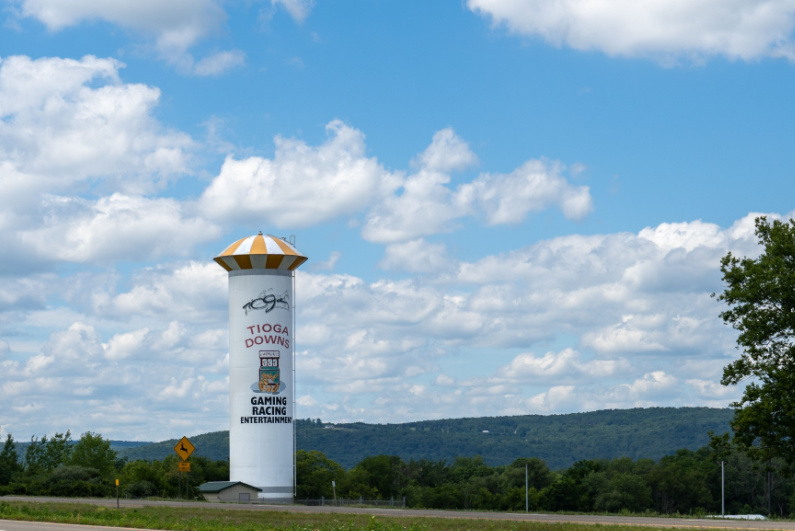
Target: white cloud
416,256
306,400
298,9
23,294
196,292
123,346
326,265
560,366
114,228
447,152
712,390
737,29
652,385
175,26
218,63
188,18
424,206
59,129
444,380
534,186
177,388
627,333
558,398
302,185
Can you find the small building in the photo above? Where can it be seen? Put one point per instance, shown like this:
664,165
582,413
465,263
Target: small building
229,491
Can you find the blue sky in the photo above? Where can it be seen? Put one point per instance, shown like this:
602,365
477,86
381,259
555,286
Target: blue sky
509,206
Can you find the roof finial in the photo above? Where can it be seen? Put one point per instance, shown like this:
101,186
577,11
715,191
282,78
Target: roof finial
259,233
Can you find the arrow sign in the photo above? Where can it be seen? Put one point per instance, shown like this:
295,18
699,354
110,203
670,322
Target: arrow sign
184,448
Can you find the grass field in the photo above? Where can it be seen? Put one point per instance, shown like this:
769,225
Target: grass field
218,519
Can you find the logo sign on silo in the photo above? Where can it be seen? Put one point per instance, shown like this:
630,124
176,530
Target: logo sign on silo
261,442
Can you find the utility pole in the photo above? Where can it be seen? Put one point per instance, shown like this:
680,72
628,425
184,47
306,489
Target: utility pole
722,490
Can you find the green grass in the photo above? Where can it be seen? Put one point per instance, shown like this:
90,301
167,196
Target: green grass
202,518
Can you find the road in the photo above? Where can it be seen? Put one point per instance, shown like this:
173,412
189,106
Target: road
690,523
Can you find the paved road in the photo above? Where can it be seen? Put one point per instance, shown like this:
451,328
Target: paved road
13,525
698,523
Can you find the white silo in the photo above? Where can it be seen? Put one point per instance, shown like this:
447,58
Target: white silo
261,378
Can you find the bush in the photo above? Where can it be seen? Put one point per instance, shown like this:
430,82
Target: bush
141,489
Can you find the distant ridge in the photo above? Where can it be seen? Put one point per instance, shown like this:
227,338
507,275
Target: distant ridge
560,440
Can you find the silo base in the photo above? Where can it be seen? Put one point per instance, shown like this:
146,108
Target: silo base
277,495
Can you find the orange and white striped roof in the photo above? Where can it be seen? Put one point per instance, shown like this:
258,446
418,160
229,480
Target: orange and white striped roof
260,252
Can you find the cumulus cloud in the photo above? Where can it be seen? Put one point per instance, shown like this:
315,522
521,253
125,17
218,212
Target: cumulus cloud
737,29
175,26
306,185
425,204
533,186
125,345
567,364
195,291
298,9
447,152
220,62
626,335
115,227
416,256
67,121
148,371
302,185
72,127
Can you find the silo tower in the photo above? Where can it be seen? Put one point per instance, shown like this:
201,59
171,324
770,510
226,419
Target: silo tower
261,374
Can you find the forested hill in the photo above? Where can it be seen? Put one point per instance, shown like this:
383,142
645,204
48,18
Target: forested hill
560,440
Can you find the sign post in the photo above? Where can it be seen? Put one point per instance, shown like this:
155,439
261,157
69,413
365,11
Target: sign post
184,449
117,493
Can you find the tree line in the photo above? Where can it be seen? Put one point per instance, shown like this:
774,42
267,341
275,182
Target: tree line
89,467
687,482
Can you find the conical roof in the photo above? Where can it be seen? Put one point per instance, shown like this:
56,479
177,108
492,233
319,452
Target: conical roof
260,252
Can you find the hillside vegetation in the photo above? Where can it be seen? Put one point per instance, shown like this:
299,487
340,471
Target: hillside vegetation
559,440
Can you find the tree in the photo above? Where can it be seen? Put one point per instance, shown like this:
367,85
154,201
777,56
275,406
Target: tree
92,451
9,461
760,294
45,455
315,472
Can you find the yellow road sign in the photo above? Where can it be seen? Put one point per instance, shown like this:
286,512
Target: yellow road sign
183,466
184,448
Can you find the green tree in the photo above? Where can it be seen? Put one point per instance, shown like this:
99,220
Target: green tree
624,491
680,483
92,451
314,474
58,450
539,475
382,473
9,461
760,294
34,455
